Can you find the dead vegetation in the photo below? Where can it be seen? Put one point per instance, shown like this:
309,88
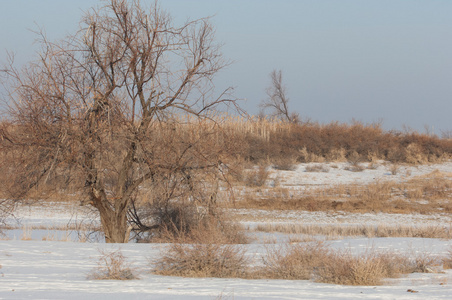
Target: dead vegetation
334,231
447,260
178,223
317,168
313,260
202,260
112,266
430,193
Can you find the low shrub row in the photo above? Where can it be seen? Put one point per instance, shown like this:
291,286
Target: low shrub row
304,261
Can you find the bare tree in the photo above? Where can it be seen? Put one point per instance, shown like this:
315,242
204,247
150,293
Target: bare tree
277,100
103,110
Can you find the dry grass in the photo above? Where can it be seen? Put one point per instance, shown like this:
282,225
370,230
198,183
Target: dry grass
424,262
355,168
447,260
370,268
267,141
294,261
430,193
202,260
180,223
394,169
354,161
285,163
112,266
26,233
369,231
317,168
314,260
256,177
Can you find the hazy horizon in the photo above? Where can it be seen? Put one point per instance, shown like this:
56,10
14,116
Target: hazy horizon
386,60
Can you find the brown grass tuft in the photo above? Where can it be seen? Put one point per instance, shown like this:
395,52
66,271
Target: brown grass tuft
202,260
425,194
112,266
294,261
447,260
314,260
369,231
317,168
365,269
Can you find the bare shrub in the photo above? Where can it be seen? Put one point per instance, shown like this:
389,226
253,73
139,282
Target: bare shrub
202,260
294,261
415,155
447,260
373,165
314,260
360,230
26,233
307,157
354,160
394,169
317,168
287,163
424,262
343,268
369,268
186,223
112,266
257,176
337,155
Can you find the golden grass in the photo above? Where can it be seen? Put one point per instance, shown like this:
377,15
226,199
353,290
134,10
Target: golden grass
313,260
112,266
430,193
370,231
202,260
447,260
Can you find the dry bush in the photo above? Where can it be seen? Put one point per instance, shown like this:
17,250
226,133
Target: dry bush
317,168
112,266
447,260
369,268
294,261
185,223
307,157
26,233
373,165
270,139
415,155
202,260
370,231
256,177
394,169
426,194
314,260
355,168
338,155
354,161
424,262
285,163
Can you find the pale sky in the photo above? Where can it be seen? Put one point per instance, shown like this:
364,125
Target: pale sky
369,60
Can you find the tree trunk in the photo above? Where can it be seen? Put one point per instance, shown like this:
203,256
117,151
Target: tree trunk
113,222
115,227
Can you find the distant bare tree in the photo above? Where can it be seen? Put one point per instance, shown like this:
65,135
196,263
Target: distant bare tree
277,100
104,110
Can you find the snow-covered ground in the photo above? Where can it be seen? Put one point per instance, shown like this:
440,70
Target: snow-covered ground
337,174
54,269
58,270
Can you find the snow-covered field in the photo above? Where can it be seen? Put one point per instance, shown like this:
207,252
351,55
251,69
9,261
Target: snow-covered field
55,269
